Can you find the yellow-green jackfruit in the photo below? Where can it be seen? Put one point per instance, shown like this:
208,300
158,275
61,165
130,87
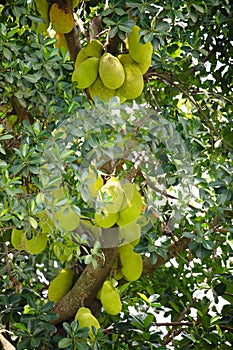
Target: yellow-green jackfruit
86,72
133,84
131,207
99,90
131,262
94,48
111,71
86,319
61,284
139,52
110,298
61,19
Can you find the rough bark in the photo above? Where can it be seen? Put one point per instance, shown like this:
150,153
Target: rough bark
86,287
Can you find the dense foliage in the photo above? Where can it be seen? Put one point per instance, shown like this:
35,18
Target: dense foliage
174,142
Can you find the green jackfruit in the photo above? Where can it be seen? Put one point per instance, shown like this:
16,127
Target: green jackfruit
106,220
94,48
99,90
140,53
110,299
133,84
61,19
67,218
130,233
111,71
132,205
86,319
86,72
131,262
37,243
81,57
61,284
127,59
18,239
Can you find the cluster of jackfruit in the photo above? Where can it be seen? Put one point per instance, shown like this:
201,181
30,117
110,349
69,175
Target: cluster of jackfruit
121,203
106,75
38,241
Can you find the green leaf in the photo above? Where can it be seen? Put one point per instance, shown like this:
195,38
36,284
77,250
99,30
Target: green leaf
65,343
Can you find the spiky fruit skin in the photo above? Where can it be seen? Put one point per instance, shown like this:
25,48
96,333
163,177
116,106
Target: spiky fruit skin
131,207
86,319
111,71
139,52
133,83
18,239
37,243
98,89
61,19
110,299
61,284
86,72
67,218
130,233
131,263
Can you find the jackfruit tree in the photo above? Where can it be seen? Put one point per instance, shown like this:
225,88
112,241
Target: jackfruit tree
116,174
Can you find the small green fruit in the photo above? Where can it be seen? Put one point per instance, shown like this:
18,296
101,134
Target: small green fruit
61,284
86,72
131,262
110,299
111,71
86,319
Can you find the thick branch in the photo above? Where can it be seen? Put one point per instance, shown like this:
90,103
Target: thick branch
86,287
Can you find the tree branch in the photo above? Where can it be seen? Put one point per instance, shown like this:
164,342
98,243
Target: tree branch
87,286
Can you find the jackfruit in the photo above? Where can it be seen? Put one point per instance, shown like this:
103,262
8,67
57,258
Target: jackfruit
67,218
106,220
86,72
37,243
144,66
133,84
80,57
110,298
86,319
18,239
42,7
125,58
45,223
61,41
96,182
61,19
131,207
131,262
140,53
111,71
130,233
61,284
94,48
99,90
112,195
